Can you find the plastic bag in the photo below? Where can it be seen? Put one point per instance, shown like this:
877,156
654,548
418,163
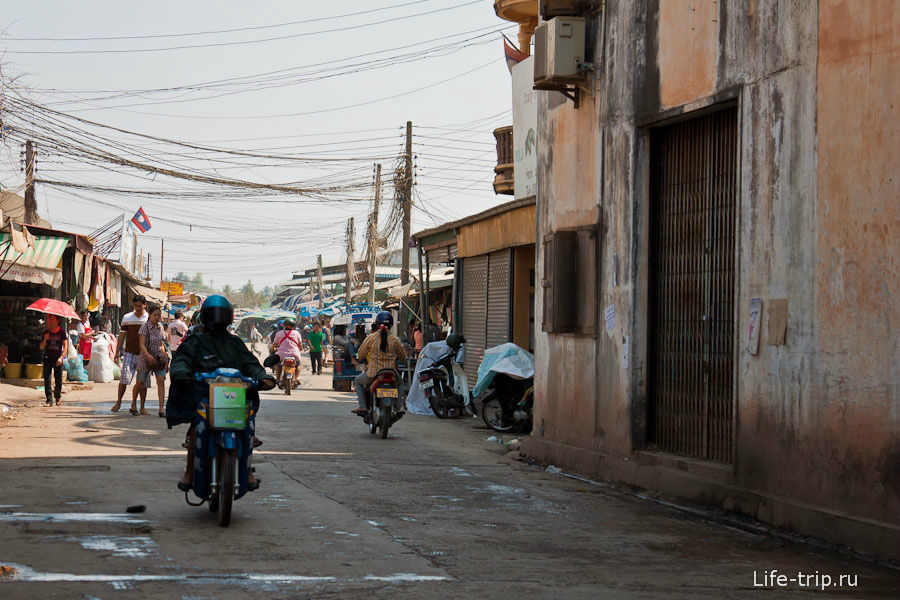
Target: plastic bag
101,368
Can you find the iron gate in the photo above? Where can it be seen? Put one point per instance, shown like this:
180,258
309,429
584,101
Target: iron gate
694,189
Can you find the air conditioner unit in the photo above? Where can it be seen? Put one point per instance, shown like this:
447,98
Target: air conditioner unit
558,8
559,52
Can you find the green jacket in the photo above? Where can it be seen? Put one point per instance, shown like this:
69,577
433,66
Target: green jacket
203,353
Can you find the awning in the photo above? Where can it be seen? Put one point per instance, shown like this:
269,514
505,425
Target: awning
150,293
46,254
23,274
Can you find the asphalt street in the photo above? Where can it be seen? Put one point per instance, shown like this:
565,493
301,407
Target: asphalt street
434,511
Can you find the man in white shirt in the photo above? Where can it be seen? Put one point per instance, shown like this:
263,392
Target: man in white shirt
129,348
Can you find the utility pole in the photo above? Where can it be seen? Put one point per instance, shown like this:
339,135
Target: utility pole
373,234
319,281
162,257
407,223
351,275
31,216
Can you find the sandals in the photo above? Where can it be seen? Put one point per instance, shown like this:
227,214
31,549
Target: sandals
134,412
143,412
162,415
116,407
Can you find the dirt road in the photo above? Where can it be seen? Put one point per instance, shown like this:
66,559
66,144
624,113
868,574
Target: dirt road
434,511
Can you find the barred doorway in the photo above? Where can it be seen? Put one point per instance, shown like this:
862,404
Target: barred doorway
693,225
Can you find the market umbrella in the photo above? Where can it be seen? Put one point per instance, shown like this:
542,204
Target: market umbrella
54,307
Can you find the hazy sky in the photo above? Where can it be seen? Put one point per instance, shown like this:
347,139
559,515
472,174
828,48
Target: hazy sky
334,112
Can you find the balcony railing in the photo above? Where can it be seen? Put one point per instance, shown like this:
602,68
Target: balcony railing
503,182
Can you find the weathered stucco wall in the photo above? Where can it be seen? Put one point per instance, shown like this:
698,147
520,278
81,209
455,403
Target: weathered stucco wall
818,418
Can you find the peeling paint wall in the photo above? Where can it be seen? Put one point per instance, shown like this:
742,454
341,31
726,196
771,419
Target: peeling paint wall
818,418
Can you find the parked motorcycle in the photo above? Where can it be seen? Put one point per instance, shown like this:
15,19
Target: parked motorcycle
223,441
437,383
383,399
289,375
507,406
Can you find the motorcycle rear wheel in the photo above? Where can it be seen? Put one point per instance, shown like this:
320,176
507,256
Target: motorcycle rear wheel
385,420
287,386
225,460
438,403
494,415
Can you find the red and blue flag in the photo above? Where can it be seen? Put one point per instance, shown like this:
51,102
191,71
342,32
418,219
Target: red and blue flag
141,221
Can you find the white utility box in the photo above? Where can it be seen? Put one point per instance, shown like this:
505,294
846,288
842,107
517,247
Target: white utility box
559,51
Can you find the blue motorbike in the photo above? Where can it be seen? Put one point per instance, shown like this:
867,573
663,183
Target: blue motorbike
223,442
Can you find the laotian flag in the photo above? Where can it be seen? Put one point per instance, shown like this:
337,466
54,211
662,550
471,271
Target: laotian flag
141,221
513,55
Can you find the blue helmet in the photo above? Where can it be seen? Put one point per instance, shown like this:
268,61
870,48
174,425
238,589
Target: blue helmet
216,314
384,319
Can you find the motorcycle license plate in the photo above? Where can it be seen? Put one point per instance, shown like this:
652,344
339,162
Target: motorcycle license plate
386,393
427,384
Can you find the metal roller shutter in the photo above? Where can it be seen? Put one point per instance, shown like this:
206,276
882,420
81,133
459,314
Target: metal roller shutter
498,288
474,311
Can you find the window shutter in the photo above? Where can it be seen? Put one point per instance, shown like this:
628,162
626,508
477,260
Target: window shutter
586,286
560,299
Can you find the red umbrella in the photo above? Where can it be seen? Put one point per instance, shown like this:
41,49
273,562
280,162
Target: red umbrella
54,307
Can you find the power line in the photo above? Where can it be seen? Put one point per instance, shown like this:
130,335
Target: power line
243,42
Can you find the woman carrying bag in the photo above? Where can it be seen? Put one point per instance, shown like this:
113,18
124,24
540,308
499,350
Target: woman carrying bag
153,360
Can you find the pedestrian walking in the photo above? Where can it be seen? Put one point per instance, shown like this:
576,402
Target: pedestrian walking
129,348
54,344
326,343
176,331
315,339
153,360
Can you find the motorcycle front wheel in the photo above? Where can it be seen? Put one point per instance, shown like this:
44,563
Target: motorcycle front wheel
225,460
495,416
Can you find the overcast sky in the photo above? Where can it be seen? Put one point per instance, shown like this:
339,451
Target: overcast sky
455,97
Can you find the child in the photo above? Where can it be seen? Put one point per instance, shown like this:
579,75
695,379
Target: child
54,344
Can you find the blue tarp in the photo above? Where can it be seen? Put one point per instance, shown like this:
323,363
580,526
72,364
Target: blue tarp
505,358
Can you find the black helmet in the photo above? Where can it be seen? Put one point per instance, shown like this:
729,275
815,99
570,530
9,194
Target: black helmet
455,340
384,319
216,314
289,323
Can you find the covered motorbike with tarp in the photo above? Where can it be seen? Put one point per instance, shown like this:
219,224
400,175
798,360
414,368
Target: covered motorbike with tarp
417,400
506,379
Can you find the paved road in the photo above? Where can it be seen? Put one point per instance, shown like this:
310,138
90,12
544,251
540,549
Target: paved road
434,511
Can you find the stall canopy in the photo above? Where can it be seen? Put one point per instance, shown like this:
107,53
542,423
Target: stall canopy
37,264
150,294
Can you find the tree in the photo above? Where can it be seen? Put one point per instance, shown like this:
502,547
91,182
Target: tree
198,279
228,291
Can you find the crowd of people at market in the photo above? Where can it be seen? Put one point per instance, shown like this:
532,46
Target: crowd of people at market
144,346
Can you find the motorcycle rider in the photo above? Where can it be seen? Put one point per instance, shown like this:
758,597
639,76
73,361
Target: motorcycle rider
380,350
287,343
204,351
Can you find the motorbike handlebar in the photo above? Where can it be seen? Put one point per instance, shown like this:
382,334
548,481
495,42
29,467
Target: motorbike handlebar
204,377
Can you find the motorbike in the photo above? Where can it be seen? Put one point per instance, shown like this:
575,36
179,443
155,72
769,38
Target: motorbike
383,399
223,440
437,383
507,407
289,375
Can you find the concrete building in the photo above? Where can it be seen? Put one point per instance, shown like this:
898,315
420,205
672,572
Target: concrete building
492,255
715,215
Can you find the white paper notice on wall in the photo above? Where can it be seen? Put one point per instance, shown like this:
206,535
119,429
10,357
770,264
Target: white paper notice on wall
610,317
625,352
755,316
